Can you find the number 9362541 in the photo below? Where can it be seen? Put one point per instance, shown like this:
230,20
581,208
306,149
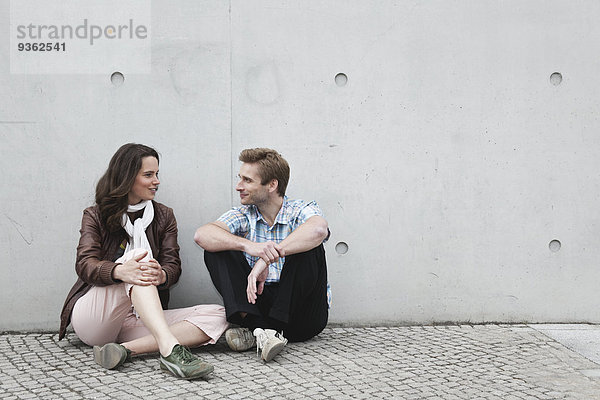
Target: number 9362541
26,46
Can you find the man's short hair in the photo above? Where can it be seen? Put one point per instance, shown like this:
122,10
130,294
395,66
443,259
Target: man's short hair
270,166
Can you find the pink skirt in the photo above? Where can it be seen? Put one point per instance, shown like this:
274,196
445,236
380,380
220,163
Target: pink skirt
105,314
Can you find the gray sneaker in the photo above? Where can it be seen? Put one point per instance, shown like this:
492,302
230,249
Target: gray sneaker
183,364
111,355
240,339
270,342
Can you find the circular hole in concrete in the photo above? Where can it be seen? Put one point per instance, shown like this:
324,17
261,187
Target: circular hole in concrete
117,78
341,79
554,245
341,248
556,78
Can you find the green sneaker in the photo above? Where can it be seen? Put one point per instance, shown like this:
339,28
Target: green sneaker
240,339
111,355
183,364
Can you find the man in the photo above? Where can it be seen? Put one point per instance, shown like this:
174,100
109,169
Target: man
267,260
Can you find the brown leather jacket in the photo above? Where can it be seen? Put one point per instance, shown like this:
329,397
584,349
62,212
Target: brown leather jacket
97,248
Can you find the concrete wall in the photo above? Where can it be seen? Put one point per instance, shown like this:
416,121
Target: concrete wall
447,163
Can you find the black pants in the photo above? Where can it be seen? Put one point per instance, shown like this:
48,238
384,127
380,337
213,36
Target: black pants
296,305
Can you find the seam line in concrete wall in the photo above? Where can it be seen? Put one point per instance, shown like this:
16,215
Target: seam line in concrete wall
230,104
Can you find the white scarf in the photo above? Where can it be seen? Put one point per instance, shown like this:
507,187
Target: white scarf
137,230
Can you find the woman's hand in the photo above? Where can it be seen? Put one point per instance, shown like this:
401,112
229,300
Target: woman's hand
154,272
141,273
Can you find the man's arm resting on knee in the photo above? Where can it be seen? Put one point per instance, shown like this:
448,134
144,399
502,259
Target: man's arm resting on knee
306,237
216,236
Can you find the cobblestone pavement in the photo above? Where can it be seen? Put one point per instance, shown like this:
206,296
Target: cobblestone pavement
430,362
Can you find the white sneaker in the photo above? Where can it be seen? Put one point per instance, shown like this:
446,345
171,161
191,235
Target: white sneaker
270,342
239,339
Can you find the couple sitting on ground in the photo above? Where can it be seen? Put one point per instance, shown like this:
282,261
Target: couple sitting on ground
265,258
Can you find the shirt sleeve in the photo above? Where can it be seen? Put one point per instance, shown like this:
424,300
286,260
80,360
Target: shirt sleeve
236,221
308,210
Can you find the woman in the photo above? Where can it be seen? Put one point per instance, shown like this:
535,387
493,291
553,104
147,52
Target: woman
127,260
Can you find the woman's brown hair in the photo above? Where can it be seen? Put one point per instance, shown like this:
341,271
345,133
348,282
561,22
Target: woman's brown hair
113,187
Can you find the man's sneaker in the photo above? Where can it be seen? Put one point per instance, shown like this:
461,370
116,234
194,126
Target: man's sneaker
183,364
111,355
270,342
240,339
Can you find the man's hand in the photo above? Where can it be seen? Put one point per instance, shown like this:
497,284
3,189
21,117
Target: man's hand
256,280
141,273
269,252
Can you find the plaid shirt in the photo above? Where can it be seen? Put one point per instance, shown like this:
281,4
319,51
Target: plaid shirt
247,221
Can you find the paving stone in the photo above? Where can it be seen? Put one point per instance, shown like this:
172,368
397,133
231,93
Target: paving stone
419,362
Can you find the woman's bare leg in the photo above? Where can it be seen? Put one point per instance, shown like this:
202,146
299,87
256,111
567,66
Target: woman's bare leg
186,334
147,304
